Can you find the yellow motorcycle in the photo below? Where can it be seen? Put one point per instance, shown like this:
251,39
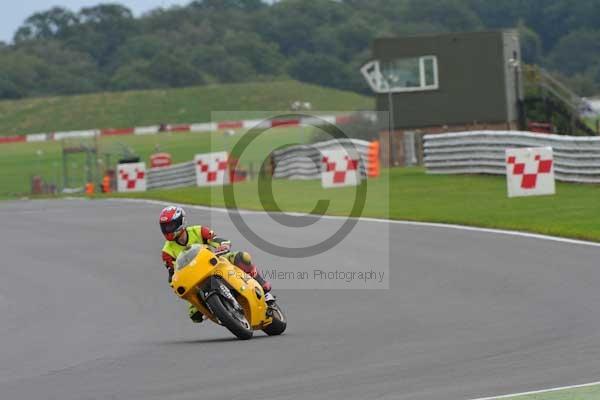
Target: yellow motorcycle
225,294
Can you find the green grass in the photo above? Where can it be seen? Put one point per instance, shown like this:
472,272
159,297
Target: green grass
19,161
411,194
584,393
151,107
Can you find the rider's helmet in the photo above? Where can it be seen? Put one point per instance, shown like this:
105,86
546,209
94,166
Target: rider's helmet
172,222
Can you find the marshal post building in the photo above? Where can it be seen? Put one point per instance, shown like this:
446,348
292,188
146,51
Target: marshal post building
445,83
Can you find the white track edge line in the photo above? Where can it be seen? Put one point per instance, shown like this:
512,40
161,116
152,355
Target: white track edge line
382,221
556,389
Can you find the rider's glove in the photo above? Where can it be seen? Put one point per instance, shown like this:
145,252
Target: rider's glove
222,249
220,245
171,272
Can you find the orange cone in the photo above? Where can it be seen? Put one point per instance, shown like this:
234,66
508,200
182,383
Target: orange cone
89,189
106,184
373,164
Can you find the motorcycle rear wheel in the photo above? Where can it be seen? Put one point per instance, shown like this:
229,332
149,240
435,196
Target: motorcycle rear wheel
225,313
277,327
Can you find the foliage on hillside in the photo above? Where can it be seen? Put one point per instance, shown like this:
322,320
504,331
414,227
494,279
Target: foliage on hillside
104,48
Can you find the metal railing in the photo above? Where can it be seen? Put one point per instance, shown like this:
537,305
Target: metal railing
304,161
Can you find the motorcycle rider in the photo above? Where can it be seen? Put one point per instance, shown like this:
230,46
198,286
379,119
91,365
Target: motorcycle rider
178,236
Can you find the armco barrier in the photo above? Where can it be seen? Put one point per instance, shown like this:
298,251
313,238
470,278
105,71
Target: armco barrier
294,162
304,161
177,175
576,159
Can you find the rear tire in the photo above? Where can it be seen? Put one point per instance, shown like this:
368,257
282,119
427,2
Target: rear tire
277,327
229,321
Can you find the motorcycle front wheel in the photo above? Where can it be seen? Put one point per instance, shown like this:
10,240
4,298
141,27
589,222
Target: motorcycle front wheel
234,320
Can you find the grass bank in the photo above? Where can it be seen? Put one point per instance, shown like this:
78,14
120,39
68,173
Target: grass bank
152,107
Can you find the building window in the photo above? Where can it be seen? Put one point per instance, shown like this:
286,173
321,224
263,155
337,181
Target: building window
411,74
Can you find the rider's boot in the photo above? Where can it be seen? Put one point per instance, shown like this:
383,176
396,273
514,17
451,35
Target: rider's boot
195,315
269,298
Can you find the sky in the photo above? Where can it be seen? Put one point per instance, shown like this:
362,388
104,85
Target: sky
15,12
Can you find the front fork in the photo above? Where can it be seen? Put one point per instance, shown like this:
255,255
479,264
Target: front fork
217,287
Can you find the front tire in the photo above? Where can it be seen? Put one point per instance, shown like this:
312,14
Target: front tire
227,315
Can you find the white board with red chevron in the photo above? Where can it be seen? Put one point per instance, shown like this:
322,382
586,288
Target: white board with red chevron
340,168
530,171
131,177
212,169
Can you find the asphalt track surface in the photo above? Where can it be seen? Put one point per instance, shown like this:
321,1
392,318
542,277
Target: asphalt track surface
87,314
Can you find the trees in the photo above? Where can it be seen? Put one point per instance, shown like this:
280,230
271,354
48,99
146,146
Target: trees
291,24
320,41
498,14
133,75
18,74
576,52
44,68
46,25
64,69
101,30
321,69
452,15
263,57
531,44
223,5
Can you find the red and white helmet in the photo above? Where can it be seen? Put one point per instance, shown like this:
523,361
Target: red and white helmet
172,222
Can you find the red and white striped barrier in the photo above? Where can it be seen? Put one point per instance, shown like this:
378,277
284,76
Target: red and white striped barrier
197,127
117,132
12,139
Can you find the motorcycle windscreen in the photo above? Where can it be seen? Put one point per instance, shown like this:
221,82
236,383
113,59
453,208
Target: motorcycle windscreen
187,256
